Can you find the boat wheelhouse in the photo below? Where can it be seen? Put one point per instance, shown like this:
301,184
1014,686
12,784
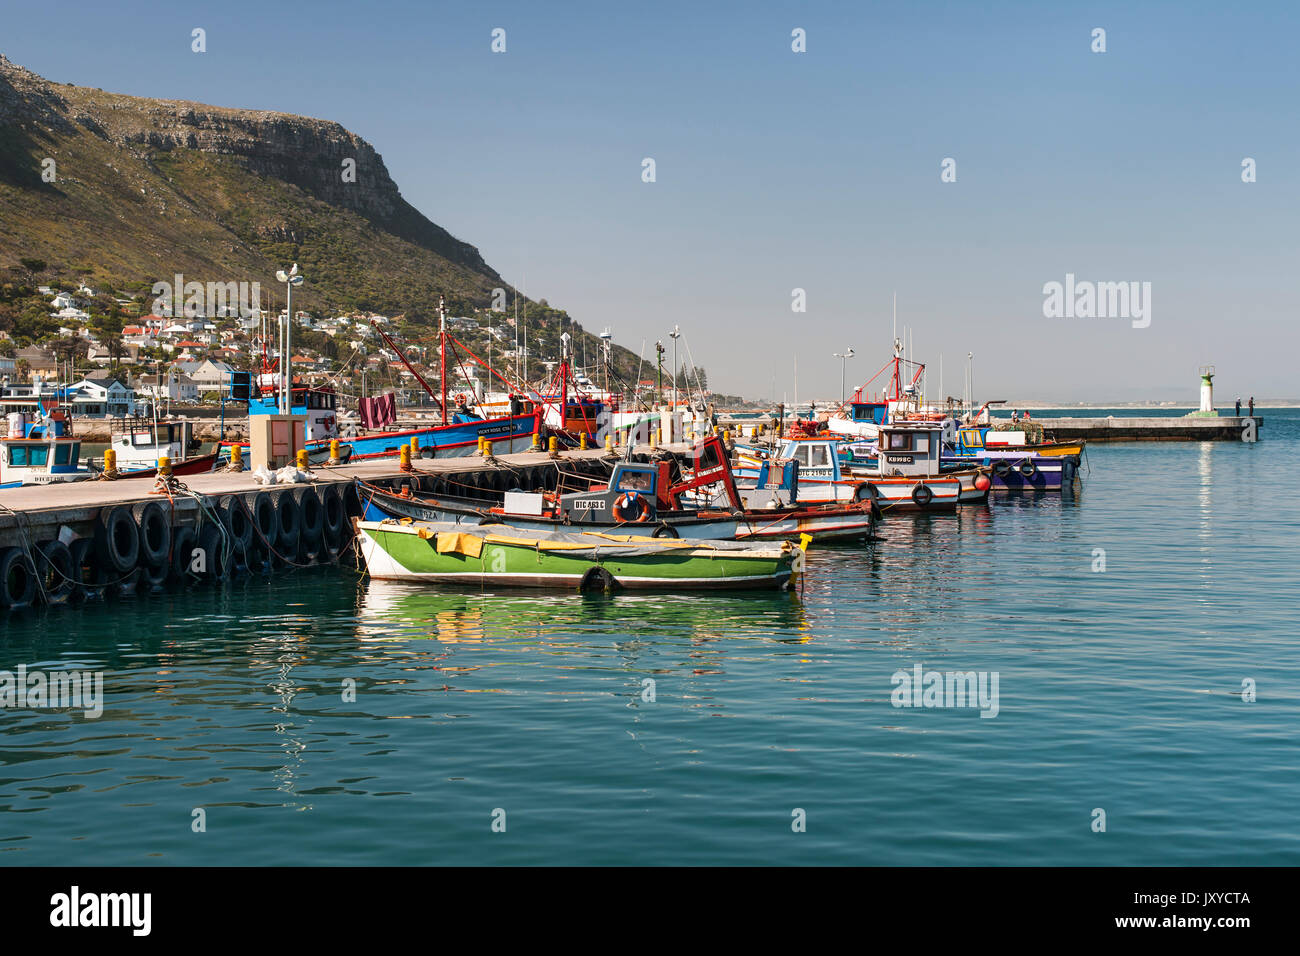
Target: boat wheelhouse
40,453
141,444
860,419
318,405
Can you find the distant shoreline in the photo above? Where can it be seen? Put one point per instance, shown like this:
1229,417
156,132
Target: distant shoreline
1139,406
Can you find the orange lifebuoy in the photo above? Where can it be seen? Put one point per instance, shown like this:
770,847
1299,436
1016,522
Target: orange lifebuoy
631,501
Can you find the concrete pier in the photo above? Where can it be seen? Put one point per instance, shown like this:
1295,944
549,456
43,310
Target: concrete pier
1223,428
44,507
74,540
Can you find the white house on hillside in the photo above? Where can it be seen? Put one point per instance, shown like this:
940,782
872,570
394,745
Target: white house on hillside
171,385
66,300
102,397
209,375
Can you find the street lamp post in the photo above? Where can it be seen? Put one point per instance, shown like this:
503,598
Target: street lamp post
675,334
844,358
290,279
970,379
659,372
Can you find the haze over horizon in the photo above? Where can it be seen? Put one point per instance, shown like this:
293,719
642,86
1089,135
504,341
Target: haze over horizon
819,170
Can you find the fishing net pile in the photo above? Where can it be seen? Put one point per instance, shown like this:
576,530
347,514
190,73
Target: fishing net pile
1033,430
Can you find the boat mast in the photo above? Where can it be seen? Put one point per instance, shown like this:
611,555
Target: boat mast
442,355
564,377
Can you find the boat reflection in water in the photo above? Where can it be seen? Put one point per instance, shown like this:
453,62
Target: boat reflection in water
397,611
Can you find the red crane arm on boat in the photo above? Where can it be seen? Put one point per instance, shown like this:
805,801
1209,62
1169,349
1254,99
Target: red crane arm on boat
513,386
711,467
896,379
409,367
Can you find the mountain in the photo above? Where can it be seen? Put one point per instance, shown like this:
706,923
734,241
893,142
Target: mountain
143,189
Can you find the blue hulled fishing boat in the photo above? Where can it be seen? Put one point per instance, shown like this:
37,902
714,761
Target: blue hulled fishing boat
456,436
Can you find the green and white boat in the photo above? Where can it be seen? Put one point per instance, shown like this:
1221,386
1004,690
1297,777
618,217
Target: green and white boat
446,553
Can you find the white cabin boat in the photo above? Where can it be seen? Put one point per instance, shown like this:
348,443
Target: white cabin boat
141,444
40,453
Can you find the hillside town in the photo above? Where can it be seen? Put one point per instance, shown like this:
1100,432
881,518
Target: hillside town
103,353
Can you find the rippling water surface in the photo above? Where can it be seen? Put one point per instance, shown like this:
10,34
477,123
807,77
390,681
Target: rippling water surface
1119,690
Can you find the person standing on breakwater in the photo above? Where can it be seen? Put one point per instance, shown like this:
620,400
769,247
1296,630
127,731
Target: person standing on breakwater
1238,406
1252,406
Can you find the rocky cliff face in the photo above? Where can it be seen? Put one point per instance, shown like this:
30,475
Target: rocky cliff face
308,153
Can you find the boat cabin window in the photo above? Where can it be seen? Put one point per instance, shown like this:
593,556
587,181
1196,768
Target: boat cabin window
28,456
898,441
971,438
813,456
868,412
61,454
636,481
709,458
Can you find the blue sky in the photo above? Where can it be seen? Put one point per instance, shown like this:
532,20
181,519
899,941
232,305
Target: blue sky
819,170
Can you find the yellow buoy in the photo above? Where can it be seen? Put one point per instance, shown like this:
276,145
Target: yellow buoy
555,447
334,451
582,441
110,460
302,459
405,458
165,466
236,455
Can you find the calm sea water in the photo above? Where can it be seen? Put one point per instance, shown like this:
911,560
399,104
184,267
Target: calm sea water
1119,690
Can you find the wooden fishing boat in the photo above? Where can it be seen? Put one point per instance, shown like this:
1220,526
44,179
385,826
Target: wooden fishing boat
193,466
906,476
454,554
42,452
642,498
909,474
456,436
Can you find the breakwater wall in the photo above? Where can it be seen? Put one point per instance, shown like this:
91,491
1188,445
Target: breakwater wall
1224,428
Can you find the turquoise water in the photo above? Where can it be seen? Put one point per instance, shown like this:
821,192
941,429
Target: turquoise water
1117,689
